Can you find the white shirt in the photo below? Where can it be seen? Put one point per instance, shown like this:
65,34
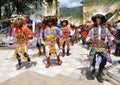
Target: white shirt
118,26
72,32
91,33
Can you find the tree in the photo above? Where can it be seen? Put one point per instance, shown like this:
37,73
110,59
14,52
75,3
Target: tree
22,4
16,5
2,2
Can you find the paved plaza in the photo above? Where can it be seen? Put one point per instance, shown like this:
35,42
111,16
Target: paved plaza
73,70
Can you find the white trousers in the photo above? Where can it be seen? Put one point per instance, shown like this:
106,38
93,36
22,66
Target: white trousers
47,50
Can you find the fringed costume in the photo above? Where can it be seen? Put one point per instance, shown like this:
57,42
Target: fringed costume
51,46
21,34
100,39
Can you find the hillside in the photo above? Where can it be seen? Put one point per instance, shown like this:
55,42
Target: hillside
75,12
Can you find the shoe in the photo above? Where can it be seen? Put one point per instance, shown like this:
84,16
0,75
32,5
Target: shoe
19,66
39,53
99,75
59,62
27,56
68,52
99,78
63,52
48,62
93,75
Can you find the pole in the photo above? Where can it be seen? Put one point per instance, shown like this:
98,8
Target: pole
8,9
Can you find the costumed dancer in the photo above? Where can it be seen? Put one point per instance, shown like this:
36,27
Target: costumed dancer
40,35
21,34
65,37
72,33
117,49
77,33
85,30
99,44
51,45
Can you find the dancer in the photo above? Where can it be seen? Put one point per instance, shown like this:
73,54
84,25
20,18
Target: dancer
72,34
40,35
51,32
84,31
117,49
100,44
65,37
21,34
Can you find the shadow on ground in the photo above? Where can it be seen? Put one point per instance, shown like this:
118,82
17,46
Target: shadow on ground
27,65
53,62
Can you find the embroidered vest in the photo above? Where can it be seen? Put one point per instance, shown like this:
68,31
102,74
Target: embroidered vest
100,30
49,34
100,42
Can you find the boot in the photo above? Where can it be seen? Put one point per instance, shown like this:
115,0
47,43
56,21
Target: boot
92,71
68,52
48,62
19,66
72,40
28,58
58,60
73,43
44,49
116,52
63,54
83,43
19,61
39,49
92,74
99,75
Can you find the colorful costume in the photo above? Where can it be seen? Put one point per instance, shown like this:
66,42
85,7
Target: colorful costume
65,37
51,46
85,30
50,34
117,49
99,45
21,36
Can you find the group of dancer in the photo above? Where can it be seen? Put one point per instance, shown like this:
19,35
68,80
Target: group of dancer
52,37
49,36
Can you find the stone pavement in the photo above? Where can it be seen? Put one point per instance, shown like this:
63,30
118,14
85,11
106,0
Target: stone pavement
73,67
33,78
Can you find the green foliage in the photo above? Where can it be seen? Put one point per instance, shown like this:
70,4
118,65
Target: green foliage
76,12
108,16
18,6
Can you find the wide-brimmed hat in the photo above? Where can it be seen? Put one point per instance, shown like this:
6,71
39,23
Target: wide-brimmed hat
16,23
99,16
64,21
52,19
